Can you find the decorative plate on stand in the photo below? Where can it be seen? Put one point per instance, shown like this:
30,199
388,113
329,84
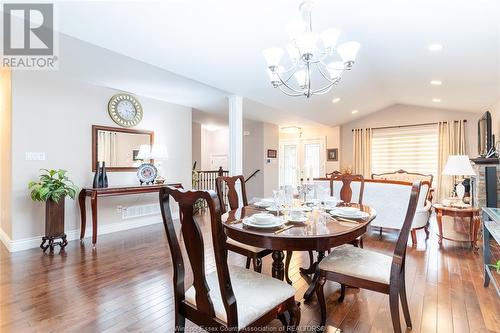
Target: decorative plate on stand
147,173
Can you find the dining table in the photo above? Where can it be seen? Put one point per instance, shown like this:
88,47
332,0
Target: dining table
321,232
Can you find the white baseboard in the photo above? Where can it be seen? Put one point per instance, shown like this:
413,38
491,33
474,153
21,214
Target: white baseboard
33,242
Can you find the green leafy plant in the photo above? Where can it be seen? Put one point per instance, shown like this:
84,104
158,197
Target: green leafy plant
52,184
496,266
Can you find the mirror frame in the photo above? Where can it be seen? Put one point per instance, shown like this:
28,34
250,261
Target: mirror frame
96,128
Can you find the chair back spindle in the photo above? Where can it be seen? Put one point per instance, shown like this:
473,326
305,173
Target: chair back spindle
346,191
223,182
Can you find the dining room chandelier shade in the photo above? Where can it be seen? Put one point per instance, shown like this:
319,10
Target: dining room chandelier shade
314,68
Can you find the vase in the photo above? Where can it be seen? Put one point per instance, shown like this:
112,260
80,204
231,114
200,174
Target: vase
104,175
97,176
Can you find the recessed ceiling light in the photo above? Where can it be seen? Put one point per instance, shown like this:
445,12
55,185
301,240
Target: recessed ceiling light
354,111
336,100
436,82
436,100
435,47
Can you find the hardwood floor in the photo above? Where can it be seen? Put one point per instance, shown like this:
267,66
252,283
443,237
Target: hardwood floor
125,286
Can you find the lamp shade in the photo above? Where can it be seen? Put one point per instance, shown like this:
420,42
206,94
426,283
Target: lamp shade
273,56
329,37
144,152
348,51
335,69
458,165
159,151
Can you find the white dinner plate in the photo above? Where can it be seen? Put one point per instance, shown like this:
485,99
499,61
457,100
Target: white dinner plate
300,219
358,215
275,222
262,204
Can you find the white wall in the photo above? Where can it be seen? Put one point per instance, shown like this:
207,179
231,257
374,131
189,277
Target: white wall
271,170
5,153
495,115
196,144
405,115
253,157
213,142
54,115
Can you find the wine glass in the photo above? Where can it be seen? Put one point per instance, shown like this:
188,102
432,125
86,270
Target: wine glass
278,200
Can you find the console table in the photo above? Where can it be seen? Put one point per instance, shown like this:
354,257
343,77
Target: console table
491,228
94,193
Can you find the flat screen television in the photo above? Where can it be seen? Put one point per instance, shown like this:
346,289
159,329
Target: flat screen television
484,134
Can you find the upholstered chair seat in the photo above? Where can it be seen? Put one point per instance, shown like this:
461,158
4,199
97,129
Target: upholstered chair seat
359,263
245,246
255,293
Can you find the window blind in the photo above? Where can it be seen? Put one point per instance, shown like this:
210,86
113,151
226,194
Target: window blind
411,148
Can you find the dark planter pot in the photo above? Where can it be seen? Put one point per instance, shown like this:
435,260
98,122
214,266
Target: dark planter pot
54,225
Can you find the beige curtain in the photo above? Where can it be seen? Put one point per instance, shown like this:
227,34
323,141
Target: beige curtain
106,143
451,142
362,151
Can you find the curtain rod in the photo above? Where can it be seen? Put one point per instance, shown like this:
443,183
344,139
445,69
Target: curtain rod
412,125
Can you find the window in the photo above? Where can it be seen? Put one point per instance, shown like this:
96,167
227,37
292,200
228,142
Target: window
411,148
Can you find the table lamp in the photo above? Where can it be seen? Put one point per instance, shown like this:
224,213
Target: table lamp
158,154
459,165
144,153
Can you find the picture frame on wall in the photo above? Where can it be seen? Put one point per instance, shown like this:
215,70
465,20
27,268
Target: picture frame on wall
332,154
272,153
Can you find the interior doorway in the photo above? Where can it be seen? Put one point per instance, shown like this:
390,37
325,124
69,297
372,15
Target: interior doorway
301,158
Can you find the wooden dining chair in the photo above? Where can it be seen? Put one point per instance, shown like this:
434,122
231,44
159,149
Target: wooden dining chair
357,267
228,186
346,196
346,190
231,298
346,193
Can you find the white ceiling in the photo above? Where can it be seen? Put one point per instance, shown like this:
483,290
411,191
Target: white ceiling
219,43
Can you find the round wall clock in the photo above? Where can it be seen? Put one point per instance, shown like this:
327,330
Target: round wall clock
125,110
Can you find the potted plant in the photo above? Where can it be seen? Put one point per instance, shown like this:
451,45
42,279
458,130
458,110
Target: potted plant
52,188
496,266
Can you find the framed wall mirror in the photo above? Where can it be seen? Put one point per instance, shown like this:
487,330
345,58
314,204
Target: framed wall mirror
119,147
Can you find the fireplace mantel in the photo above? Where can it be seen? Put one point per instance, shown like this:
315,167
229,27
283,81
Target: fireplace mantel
484,185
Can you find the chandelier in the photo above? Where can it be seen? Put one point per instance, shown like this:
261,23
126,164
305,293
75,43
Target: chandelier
311,60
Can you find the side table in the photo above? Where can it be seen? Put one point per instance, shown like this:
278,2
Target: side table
472,213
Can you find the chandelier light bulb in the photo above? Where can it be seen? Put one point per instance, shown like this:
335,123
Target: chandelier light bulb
273,56
348,51
306,42
300,76
330,37
335,69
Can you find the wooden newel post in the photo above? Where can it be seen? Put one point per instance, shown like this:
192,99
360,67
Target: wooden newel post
220,172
